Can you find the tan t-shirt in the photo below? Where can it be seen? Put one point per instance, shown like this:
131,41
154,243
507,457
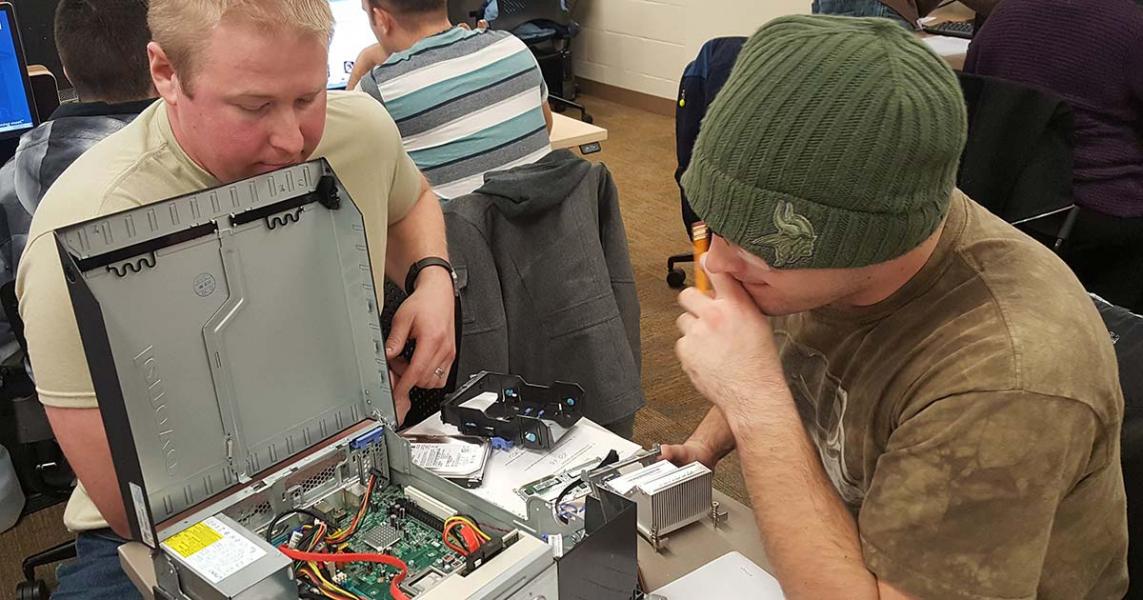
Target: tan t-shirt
971,422
142,164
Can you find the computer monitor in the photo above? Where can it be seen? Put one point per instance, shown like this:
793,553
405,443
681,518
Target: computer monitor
17,110
351,35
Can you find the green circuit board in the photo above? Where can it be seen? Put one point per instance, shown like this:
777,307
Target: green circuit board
415,541
420,546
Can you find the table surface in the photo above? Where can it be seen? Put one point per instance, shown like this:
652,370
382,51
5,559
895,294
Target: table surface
702,542
569,133
685,550
952,12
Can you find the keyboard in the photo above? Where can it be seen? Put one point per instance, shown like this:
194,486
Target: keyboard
959,29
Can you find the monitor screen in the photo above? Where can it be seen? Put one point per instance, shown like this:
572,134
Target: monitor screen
17,113
351,35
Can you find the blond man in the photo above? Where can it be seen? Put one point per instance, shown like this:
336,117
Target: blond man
242,87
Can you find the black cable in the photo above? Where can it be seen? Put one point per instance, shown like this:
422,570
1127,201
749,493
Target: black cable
611,458
296,511
309,540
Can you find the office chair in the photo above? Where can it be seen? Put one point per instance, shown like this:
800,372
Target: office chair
465,11
36,589
40,465
1017,161
701,82
555,59
1126,331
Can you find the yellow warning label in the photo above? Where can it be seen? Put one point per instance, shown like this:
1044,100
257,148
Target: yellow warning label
192,540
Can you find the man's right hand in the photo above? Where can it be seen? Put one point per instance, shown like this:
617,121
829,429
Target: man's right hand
689,452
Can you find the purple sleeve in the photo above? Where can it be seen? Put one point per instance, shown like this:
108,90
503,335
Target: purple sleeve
1135,65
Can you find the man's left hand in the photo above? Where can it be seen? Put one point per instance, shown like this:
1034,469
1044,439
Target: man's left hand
426,316
727,348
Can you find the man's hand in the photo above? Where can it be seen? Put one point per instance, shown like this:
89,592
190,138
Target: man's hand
727,348
369,58
402,404
426,316
481,25
689,452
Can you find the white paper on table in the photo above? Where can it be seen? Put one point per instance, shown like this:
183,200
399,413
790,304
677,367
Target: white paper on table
731,576
509,470
945,45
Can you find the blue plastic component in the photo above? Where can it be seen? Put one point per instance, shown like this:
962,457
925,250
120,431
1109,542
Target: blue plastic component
530,436
499,443
366,439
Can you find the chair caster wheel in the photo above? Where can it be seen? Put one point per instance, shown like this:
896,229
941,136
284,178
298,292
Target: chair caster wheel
32,590
676,278
588,119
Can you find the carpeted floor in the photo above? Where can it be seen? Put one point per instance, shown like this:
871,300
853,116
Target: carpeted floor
640,152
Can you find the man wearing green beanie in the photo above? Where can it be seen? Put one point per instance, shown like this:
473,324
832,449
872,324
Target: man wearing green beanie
925,401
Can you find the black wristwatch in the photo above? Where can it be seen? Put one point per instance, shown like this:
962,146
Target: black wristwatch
424,263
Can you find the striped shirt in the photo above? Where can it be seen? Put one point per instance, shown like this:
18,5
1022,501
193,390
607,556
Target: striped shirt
466,102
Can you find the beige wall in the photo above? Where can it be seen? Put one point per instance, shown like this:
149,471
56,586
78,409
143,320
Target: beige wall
643,45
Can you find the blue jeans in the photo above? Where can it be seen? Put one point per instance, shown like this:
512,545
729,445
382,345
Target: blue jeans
95,574
858,8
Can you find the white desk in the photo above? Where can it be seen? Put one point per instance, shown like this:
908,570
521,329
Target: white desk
570,133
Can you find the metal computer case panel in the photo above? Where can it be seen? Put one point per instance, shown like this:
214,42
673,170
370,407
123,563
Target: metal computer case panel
211,362
228,333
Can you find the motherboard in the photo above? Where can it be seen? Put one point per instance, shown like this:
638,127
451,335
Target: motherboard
395,525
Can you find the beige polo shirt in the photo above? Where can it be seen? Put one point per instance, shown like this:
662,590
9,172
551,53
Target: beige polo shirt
142,164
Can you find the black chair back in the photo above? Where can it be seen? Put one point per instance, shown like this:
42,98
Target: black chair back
1126,331
701,82
514,13
1018,159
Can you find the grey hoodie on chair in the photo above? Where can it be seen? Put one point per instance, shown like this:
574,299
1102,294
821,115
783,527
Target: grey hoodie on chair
547,288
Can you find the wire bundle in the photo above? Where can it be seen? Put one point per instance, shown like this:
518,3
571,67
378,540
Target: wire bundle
340,537
462,535
348,557
316,550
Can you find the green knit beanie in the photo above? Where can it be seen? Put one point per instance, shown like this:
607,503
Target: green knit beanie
834,144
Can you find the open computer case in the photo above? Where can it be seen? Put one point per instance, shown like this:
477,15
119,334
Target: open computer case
234,344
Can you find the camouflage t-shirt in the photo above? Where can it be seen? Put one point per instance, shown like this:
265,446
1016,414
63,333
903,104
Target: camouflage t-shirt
971,422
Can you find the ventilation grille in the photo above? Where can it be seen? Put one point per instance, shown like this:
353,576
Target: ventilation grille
319,479
677,506
256,517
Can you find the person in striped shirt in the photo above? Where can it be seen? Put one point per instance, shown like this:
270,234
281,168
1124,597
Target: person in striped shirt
466,101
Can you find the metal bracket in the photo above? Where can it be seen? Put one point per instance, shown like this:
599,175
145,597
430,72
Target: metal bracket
658,542
134,265
167,577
